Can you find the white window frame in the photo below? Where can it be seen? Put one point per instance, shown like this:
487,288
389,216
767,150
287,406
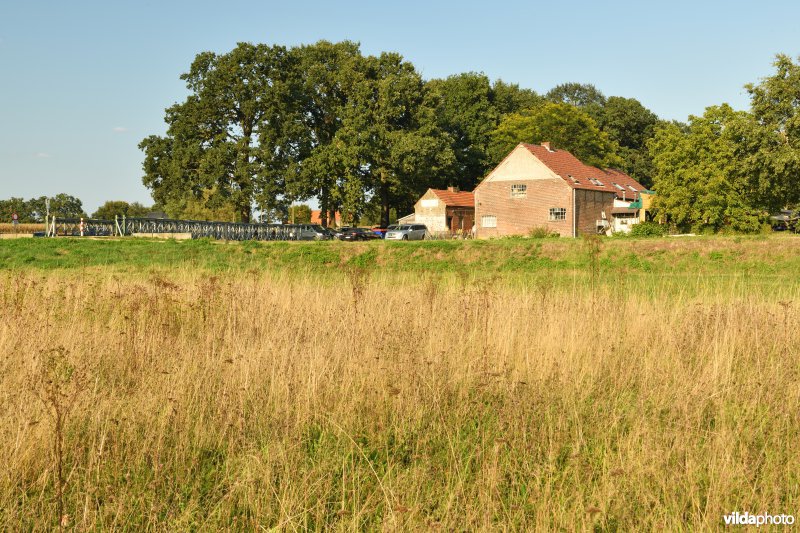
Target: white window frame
491,219
558,213
519,190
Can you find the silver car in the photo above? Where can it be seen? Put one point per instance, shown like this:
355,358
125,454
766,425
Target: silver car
406,232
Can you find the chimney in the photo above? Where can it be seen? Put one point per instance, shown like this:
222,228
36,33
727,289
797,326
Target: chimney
547,146
453,188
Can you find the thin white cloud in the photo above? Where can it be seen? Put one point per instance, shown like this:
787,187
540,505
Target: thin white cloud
120,129
42,155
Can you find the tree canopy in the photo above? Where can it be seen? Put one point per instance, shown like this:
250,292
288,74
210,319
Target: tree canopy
113,208
729,169
265,127
34,210
565,126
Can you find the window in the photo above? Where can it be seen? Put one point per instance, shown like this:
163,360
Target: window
596,182
558,213
631,187
573,178
519,191
618,186
488,221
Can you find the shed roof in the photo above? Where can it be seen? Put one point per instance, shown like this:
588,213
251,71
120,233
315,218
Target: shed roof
455,199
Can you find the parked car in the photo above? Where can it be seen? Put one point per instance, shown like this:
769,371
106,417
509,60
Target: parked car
379,231
338,232
309,232
786,220
358,234
406,232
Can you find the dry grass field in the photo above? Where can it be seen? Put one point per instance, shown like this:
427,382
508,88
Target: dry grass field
20,228
188,398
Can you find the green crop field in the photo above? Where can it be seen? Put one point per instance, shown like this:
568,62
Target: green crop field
514,384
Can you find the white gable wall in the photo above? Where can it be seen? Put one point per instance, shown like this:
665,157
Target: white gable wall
430,210
519,165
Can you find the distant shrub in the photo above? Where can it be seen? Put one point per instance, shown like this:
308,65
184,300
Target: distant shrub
541,232
648,229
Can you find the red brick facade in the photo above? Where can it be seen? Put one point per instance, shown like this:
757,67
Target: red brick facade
537,186
591,206
517,216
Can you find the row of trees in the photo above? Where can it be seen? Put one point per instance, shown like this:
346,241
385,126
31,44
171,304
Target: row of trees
62,205
266,126
729,169
35,209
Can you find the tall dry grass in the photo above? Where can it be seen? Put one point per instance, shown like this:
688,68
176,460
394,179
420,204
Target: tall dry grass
20,228
238,402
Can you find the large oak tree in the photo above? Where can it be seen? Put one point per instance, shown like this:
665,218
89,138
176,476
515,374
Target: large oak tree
232,134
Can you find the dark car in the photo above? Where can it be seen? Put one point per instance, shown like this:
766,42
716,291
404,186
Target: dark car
786,220
358,234
338,232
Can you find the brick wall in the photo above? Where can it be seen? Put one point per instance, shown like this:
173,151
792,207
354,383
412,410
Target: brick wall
517,216
590,205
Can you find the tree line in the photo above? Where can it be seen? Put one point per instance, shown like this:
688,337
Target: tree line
63,205
267,126
727,169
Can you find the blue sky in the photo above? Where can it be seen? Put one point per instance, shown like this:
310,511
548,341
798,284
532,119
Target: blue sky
81,83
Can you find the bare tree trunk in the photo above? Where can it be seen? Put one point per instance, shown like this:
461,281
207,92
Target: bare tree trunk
384,193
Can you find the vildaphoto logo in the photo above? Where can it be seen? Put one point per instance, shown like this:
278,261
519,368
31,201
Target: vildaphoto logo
758,520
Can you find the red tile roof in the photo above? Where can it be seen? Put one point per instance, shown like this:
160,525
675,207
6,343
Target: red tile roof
455,199
570,168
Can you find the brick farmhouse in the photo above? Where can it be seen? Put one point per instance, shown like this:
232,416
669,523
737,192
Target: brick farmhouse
449,211
537,186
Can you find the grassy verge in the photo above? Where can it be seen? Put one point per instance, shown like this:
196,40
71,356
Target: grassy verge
243,386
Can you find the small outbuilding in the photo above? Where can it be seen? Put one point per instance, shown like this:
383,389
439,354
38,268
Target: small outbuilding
446,212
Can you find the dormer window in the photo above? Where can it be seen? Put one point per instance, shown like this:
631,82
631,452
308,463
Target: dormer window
619,187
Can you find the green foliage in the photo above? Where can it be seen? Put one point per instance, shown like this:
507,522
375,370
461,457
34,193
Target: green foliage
768,143
698,178
583,95
267,126
466,112
300,214
34,210
206,206
113,208
648,229
564,125
391,127
511,98
228,137
18,206
541,232
323,165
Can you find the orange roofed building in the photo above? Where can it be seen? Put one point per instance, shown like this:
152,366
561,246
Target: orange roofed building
446,211
316,218
537,186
